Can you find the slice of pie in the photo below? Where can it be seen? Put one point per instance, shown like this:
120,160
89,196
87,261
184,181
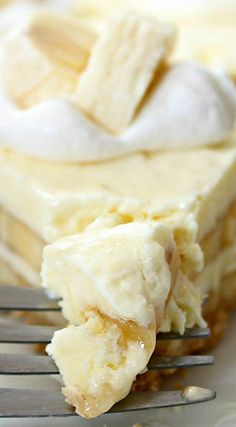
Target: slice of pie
122,179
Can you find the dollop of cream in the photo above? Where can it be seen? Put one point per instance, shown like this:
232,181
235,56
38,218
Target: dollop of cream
190,107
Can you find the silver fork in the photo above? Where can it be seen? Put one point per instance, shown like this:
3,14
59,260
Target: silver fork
45,403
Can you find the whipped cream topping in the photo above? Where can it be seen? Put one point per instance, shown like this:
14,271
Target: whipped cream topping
190,107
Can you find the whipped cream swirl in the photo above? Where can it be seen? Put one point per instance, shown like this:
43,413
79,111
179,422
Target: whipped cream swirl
190,107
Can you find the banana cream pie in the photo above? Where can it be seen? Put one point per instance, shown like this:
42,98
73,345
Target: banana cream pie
117,182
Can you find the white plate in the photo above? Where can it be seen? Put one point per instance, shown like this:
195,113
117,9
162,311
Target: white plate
220,413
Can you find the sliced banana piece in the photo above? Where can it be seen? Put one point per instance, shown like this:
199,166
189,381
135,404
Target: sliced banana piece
121,67
63,39
45,59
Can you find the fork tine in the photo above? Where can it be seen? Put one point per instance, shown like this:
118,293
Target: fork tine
17,403
27,364
30,334
188,334
168,362
163,399
24,364
28,299
44,403
25,334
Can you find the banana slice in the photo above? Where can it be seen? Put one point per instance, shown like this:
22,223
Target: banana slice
63,39
45,59
121,67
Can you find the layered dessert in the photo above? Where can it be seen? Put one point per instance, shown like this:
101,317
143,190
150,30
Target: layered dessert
117,183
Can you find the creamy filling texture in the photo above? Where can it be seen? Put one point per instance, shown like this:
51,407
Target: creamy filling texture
94,384
62,199
108,269
86,274
184,308
123,350
184,231
117,284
